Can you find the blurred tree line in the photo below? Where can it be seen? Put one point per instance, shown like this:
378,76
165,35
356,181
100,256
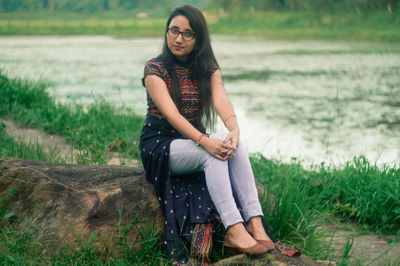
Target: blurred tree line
89,6
311,5
92,6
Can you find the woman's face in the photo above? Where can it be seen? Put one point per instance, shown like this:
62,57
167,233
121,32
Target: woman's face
181,47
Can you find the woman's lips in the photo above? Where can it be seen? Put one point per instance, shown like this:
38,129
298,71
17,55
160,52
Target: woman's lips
177,47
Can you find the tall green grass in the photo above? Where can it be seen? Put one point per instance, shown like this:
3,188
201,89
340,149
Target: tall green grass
359,191
363,192
95,129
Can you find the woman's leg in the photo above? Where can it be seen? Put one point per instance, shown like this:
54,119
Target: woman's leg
245,191
243,183
186,157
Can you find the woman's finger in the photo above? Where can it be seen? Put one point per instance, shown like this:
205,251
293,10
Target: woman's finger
230,152
228,146
219,157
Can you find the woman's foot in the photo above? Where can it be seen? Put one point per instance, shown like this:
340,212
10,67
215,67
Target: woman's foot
256,229
238,238
237,235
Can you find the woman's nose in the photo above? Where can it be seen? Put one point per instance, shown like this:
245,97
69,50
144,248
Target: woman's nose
179,38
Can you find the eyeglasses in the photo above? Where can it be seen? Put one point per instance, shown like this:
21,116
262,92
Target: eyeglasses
186,35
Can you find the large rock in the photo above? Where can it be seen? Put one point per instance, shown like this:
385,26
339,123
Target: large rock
64,199
272,259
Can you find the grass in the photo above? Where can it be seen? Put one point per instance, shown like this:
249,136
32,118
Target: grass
379,26
11,148
359,191
363,192
301,199
22,245
376,26
96,129
114,27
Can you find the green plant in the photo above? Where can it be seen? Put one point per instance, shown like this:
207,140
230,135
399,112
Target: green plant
94,129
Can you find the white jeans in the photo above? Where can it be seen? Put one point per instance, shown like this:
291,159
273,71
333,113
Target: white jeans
226,180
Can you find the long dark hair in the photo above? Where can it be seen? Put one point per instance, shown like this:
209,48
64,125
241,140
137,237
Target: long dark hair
201,59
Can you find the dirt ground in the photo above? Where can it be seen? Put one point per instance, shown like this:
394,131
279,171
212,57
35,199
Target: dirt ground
367,248
55,143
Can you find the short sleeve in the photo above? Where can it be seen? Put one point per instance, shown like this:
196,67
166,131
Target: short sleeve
153,67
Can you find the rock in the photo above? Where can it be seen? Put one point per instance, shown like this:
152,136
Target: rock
274,258
63,199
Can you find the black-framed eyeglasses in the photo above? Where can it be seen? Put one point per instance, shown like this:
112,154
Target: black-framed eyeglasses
186,35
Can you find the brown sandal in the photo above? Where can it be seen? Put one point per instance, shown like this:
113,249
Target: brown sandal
254,251
267,243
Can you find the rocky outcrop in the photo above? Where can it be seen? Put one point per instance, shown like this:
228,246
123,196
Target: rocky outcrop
64,199
272,259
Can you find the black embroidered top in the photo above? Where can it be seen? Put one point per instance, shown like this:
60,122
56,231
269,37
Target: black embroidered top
184,200
189,86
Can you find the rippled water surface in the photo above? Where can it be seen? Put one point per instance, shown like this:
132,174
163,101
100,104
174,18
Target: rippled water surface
312,100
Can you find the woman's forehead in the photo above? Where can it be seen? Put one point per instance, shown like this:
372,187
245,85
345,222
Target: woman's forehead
180,22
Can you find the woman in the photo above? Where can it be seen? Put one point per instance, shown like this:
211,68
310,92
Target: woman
196,175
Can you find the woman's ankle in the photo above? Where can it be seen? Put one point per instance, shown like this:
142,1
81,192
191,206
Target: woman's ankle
238,235
255,228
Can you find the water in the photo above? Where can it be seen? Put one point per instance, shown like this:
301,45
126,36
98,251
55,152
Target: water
310,100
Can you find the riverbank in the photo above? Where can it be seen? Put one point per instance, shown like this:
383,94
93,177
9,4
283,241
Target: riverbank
302,199
347,241
379,26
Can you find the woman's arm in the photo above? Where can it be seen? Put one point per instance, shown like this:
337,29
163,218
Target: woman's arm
159,94
224,108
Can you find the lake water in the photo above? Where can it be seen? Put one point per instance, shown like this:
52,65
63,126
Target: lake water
310,100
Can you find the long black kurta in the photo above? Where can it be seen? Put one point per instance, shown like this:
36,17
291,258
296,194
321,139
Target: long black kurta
185,200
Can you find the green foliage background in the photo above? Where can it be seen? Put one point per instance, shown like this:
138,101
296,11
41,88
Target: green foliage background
91,6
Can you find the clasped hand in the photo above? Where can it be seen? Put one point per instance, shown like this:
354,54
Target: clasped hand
222,150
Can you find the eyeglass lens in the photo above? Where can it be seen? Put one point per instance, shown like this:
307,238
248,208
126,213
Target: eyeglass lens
187,35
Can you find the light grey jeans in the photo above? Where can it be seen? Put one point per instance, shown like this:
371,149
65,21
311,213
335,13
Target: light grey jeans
226,180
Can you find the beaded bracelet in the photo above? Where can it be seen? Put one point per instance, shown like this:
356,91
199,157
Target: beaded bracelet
199,138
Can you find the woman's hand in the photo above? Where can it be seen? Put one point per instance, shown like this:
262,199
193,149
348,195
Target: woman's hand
217,148
233,139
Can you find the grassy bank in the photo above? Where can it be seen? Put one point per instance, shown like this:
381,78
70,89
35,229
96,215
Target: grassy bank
97,128
377,26
372,26
359,191
301,199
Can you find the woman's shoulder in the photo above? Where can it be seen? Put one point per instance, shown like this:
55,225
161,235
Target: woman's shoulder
155,66
157,62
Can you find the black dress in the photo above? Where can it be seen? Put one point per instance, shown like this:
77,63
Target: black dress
184,200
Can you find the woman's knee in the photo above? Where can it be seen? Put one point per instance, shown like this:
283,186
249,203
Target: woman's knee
211,161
